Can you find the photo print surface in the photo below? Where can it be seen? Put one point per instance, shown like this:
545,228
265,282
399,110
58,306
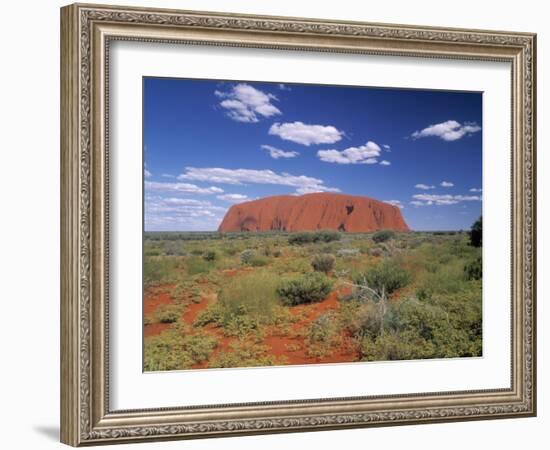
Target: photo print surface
292,224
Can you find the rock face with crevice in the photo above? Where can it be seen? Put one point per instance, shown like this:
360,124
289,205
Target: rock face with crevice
310,212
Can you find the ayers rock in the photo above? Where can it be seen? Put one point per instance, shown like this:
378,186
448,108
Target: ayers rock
310,212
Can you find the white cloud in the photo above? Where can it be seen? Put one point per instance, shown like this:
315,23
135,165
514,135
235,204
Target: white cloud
167,175
424,186
184,201
303,183
277,153
180,206
416,203
181,214
476,190
233,198
447,184
305,134
146,173
187,188
395,203
315,188
245,103
385,163
284,87
386,147
451,130
365,154
444,199
467,198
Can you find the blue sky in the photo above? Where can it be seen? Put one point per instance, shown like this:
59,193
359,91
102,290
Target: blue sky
209,144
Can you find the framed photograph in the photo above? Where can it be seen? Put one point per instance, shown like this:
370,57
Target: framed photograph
276,224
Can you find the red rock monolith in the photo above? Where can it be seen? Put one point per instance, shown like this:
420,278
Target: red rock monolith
310,212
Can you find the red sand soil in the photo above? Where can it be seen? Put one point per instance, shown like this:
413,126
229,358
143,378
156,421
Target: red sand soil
190,314
294,347
156,297
312,212
192,310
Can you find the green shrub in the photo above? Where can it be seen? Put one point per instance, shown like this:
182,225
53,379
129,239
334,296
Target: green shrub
214,313
413,316
165,352
170,351
230,250
376,251
196,265
253,294
258,261
386,277
244,305
323,262
159,270
309,237
474,269
447,279
365,321
312,287
476,233
451,324
423,294
244,354
383,236
331,247
200,346
322,335
173,248
210,255
323,329
300,238
326,236
247,255
395,347
419,330
348,252
277,253
168,313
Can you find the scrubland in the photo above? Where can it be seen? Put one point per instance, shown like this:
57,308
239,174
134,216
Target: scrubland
216,300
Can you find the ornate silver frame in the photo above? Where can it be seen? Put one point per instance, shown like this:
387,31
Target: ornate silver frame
86,31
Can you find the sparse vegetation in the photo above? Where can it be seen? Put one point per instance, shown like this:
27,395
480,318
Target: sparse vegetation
171,350
309,237
214,300
474,269
168,314
384,278
210,255
323,334
348,252
312,287
383,236
247,255
196,265
323,262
